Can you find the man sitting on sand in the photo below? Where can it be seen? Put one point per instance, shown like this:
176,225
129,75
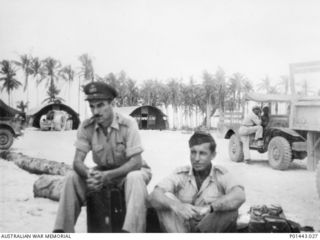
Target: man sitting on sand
116,149
201,197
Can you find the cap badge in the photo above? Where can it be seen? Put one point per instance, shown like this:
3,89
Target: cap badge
92,89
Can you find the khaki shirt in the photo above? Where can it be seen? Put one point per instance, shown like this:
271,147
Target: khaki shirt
183,185
122,142
251,120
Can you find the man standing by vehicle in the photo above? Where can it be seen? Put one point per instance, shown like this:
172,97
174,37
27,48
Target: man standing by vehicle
265,118
200,198
251,124
116,149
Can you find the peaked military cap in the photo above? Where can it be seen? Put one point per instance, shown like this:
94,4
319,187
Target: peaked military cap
99,91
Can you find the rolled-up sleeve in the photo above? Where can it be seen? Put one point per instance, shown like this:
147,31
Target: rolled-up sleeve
170,183
229,182
82,143
134,145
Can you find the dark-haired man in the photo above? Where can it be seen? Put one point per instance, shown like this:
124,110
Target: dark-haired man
116,149
201,197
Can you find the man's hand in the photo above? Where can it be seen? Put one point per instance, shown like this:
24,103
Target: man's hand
202,211
94,180
106,177
185,210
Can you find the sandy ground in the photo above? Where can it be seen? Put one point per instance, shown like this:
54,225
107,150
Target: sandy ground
293,189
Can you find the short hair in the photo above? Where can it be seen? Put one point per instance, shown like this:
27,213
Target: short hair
200,137
265,109
256,107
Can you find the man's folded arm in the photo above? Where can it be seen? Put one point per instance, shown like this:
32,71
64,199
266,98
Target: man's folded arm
231,201
78,164
159,200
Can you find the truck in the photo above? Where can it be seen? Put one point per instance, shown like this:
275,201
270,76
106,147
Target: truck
305,117
283,143
11,125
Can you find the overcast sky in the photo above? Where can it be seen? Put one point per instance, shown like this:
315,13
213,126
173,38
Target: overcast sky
165,38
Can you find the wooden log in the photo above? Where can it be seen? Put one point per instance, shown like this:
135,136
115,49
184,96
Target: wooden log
48,186
9,156
37,165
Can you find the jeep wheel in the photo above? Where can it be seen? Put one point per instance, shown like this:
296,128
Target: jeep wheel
235,149
279,153
6,138
318,179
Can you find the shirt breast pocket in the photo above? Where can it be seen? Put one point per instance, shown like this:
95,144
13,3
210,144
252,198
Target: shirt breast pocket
98,152
120,153
211,194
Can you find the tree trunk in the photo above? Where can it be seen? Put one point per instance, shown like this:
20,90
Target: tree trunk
9,98
208,109
48,186
42,166
36,165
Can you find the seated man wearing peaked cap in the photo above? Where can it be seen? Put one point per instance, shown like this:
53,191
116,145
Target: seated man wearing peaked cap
199,198
116,149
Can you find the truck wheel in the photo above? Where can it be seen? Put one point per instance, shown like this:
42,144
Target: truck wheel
6,138
235,149
279,153
318,179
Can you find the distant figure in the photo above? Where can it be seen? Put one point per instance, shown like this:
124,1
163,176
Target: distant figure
199,198
251,124
114,141
265,118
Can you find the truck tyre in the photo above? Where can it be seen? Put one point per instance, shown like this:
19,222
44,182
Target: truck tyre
235,149
279,153
6,139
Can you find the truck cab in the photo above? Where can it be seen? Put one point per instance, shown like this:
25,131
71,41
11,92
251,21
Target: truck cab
282,143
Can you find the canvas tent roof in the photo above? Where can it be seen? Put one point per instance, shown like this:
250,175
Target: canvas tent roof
129,110
38,112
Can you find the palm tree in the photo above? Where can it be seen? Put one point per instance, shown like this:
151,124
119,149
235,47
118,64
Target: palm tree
52,92
174,88
25,66
265,84
87,71
67,73
133,93
37,73
122,88
284,81
199,101
8,73
22,106
164,95
51,69
150,92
